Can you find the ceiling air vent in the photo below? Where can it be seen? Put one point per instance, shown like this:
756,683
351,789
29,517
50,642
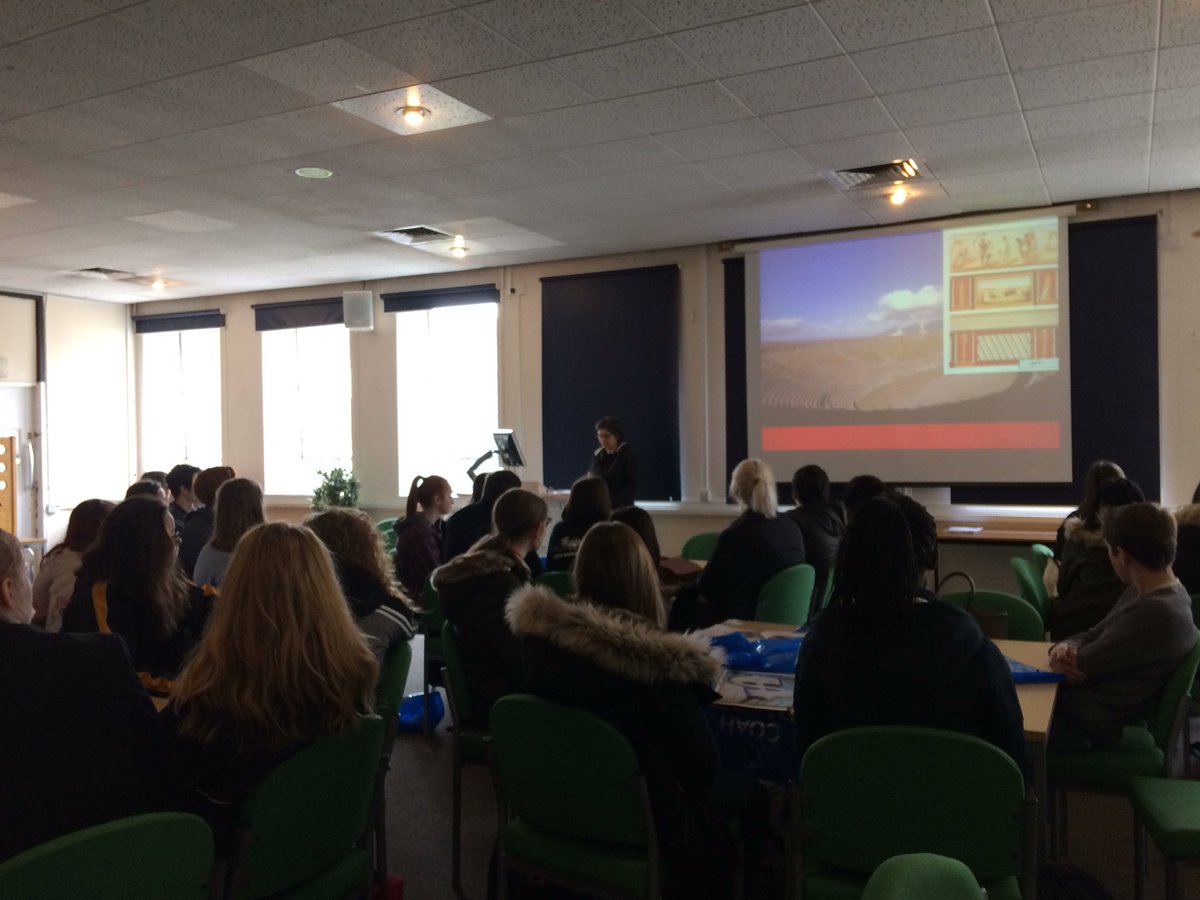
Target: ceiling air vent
415,234
898,171
99,273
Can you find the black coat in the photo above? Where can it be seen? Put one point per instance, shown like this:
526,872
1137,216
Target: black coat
822,525
934,669
1088,588
748,553
78,736
473,590
563,546
197,530
1187,554
619,471
466,527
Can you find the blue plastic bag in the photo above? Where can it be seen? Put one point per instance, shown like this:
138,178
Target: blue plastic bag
776,655
412,712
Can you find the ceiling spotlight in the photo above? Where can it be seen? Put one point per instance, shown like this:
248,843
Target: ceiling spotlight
313,172
158,285
898,196
909,168
458,250
413,115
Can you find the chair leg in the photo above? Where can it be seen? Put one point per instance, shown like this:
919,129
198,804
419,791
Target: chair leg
1062,815
456,827
1171,891
1139,859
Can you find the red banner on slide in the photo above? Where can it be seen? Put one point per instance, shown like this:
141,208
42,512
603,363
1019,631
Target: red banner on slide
933,436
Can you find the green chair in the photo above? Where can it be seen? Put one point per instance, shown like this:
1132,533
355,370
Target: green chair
1021,622
1029,583
302,832
139,858
868,794
572,801
786,597
1191,750
470,744
431,620
922,876
562,583
1041,554
387,530
389,694
1169,809
700,546
1148,751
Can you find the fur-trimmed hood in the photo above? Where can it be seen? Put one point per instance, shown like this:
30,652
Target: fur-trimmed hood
1074,530
614,640
1188,515
474,565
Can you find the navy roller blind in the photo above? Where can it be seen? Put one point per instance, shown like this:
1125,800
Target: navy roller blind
410,301
298,314
181,321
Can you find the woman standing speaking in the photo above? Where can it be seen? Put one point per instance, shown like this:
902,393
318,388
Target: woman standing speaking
614,462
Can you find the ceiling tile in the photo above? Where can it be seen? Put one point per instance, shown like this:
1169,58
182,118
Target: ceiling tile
633,68
682,107
755,169
14,153
564,26
796,87
759,42
827,123
866,150
1174,170
676,15
330,70
440,46
874,23
1005,200
1177,104
970,134
1108,114
477,142
225,30
991,183
949,102
1016,153
183,222
930,205
1015,10
526,88
33,81
153,158
575,126
540,168
814,214
1108,177
1112,76
1181,136
1180,23
665,180
20,19
628,155
1178,67
939,60
1082,35
1123,142
340,17
725,139
797,187
64,178
231,92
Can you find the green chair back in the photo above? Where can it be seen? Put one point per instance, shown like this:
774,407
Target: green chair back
393,676
922,876
1029,583
387,530
562,583
1023,621
1041,554
786,597
1169,711
139,858
700,546
872,793
552,761
462,709
308,815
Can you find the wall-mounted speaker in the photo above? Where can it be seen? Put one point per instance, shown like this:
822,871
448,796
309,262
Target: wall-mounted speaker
358,310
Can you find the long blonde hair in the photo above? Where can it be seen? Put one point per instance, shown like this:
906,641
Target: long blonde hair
281,662
753,487
613,568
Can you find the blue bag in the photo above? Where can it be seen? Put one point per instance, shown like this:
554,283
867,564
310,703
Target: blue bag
776,655
412,712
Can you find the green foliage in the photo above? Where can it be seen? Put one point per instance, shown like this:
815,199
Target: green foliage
337,488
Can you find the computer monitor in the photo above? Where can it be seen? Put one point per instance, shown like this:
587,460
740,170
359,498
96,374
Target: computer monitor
508,448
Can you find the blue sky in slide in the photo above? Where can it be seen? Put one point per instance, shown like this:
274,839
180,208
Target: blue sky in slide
849,289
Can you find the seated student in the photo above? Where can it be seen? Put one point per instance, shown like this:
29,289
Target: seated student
419,544
1116,668
146,487
471,523
474,588
1187,554
280,665
130,585
80,741
886,652
821,523
362,567
757,545
588,504
1087,585
183,499
858,491
239,507
607,651
641,522
198,526
55,582
1098,472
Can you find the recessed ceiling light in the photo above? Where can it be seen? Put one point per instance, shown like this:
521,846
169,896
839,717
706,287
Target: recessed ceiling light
313,172
414,116
158,285
459,249
898,196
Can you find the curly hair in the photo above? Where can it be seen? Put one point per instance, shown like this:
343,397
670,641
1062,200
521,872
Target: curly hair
351,536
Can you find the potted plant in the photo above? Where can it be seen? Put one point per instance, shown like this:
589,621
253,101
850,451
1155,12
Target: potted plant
337,488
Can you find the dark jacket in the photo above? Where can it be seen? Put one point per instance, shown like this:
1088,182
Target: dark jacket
1187,554
822,525
934,668
110,608
179,514
418,551
1088,588
650,684
619,471
379,614
466,527
78,736
748,553
473,590
197,530
563,546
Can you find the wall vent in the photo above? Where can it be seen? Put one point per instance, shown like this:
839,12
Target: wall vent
898,171
415,234
99,273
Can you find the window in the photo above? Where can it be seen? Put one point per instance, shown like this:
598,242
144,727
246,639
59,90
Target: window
306,406
447,391
181,398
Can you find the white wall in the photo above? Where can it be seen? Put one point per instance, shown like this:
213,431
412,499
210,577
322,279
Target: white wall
18,341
